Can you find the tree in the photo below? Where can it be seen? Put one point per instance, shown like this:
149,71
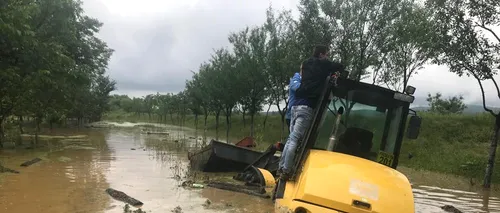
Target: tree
406,47
228,83
195,99
470,45
357,26
312,28
250,55
199,88
210,79
439,105
283,58
149,104
52,64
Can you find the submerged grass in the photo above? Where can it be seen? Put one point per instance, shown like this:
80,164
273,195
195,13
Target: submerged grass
452,144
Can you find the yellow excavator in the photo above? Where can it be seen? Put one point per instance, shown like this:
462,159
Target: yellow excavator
347,160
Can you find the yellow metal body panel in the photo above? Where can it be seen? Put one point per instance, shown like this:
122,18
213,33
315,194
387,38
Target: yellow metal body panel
334,181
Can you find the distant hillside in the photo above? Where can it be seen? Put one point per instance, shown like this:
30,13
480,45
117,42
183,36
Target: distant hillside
471,109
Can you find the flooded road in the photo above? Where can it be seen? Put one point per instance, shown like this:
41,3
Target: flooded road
150,168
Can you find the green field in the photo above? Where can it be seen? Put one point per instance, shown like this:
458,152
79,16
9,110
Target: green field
453,144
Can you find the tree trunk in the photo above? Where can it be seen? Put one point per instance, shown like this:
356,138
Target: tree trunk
196,128
252,120
179,120
205,128
267,114
196,122
21,124
491,156
217,114
244,120
1,132
38,120
228,124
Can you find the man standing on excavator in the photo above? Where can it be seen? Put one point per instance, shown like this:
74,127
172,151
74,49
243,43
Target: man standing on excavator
314,72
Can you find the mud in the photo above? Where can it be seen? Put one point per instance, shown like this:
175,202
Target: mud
151,168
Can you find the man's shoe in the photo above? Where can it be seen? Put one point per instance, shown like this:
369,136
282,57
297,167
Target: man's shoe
278,173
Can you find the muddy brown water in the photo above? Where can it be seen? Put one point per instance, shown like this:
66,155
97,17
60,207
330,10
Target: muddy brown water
74,179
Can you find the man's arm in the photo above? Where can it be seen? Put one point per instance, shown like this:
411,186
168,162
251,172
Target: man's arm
330,67
295,84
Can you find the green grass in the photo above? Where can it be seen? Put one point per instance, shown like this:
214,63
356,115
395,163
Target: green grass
452,144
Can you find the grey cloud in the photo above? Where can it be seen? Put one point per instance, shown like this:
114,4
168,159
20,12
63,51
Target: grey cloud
157,53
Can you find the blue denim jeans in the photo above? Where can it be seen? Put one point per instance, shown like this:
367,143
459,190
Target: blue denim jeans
301,119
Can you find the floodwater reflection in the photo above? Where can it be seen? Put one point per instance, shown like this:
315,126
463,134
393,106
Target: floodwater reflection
55,185
151,168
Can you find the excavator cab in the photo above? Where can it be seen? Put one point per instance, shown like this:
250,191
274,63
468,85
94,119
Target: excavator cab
347,160
371,126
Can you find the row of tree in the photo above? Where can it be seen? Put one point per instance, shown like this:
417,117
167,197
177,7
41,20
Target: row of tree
52,64
173,108
167,108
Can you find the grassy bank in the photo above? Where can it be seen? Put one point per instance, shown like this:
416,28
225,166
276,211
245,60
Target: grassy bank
453,144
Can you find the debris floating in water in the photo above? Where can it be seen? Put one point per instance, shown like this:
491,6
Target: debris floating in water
121,196
30,162
126,209
5,169
154,133
207,203
177,209
187,183
197,185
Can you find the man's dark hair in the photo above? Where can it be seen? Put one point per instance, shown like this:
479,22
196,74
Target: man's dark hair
319,49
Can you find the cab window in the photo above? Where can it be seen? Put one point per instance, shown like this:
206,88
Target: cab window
365,130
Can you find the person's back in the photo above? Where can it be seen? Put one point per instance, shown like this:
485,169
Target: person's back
315,71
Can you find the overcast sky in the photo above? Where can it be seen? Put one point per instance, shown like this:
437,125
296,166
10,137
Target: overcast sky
158,42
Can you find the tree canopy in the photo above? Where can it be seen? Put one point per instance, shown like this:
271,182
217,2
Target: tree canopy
52,64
